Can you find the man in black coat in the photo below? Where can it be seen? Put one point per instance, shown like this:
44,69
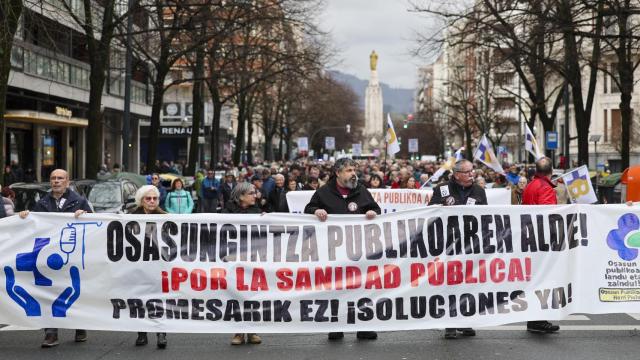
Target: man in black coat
60,199
460,190
343,194
277,201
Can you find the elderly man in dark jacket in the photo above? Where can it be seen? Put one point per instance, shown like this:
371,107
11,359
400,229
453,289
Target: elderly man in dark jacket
343,194
277,201
64,200
460,190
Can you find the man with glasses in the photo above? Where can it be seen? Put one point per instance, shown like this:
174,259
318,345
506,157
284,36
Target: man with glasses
210,186
63,200
459,190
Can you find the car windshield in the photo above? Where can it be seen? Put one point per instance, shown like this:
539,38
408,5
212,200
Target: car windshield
104,194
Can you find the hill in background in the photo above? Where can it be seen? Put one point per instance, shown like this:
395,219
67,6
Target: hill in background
396,100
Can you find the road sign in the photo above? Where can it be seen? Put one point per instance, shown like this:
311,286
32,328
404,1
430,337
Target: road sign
552,140
413,145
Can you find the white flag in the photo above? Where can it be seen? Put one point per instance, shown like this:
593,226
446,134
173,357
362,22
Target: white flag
485,154
393,146
579,186
530,144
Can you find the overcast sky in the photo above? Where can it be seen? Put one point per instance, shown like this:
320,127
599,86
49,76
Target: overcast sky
387,26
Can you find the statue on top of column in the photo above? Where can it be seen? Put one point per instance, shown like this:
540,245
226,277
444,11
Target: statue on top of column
373,60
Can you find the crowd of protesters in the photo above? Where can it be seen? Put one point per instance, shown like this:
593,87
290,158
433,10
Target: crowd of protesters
341,189
273,180
212,187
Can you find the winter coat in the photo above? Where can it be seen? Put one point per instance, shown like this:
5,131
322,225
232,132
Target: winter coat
328,198
233,208
140,211
452,193
178,202
210,188
277,201
539,192
70,202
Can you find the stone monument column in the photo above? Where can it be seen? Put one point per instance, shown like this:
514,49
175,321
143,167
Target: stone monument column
373,117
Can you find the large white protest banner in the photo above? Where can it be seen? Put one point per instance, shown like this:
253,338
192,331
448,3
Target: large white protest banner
430,268
392,200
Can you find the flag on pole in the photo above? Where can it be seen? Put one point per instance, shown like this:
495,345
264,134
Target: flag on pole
485,154
393,146
447,166
530,143
579,186
458,154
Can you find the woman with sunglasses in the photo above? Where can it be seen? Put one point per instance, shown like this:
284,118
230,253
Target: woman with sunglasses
148,202
243,201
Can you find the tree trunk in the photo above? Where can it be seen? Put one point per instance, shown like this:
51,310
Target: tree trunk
281,142
467,134
11,10
625,72
626,115
250,136
96,114
198,111
237,152
154,128
215,131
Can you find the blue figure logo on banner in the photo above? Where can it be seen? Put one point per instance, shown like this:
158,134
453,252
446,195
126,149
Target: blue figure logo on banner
28,262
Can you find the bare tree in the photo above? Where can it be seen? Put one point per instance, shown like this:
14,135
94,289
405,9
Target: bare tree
10,11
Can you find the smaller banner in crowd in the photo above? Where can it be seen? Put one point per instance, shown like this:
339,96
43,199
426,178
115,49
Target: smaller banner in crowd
579,186
392,200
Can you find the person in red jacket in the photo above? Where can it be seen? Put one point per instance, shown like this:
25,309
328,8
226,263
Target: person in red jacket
540,191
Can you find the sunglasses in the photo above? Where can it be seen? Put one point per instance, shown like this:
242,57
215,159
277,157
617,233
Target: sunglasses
150,198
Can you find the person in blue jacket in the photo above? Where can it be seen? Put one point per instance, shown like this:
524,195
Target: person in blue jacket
155,181
210,187
178,200
61,199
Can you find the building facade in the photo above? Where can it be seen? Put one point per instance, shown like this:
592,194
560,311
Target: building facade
48,95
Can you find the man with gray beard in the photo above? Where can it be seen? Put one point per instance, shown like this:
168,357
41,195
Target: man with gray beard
343,194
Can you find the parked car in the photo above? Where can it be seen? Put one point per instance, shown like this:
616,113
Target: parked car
113,196
28,194
82,186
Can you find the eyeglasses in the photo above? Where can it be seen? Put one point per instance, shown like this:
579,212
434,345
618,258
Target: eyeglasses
150,198
53,178
155,178
468,172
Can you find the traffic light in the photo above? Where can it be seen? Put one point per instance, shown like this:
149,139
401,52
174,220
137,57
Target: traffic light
348,128
405,124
